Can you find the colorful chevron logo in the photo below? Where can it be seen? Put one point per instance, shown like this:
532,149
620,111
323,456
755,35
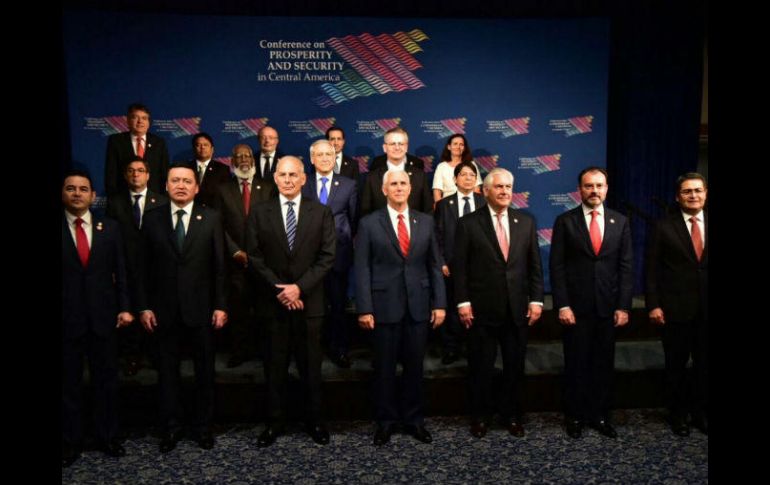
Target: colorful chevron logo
363,163
444,128
573,126
245,128
509,127
541,164
312,128
377,128
487,162
178,127
544,236
570,200
427,162
520,200
378,65
108,125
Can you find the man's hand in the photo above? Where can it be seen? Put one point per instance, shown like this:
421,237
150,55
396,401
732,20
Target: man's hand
241,258
534,313
566,317
289,294
219,319
366,321
148,320
657,317
621,318
466,315
124,319
437,317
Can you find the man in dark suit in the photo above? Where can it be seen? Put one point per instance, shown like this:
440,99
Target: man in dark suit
128,208
95,302
235,201
677,300
448,211
268,152
290,244
399,288
182,296
395,145
211,174
499,289
592,282
343,165
340,195
123,148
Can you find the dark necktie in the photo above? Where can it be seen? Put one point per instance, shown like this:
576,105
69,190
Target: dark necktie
467,206
82,242
246,196
324,195
595,233
697,239
266,171
291,224
179,230
403,235
137,211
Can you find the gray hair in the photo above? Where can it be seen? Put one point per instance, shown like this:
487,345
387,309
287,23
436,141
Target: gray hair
496,171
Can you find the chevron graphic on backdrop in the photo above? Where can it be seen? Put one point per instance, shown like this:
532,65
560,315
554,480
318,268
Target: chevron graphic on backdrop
322,124
251,127
118,124
544,236
520,200
581,124
388,123
487,163
226,160
542,163
185,127
380,65
519,126
427,162
454,125
363,163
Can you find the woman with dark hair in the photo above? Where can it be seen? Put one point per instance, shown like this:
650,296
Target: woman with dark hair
455,151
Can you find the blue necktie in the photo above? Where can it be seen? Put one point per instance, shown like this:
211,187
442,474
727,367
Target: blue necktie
467,206
179,230
291,224
324,195
137,211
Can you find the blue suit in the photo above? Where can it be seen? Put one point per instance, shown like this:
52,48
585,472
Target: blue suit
343,201
400,292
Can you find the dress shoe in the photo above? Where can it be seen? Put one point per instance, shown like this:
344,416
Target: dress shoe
604,427
479,429
515,428
235,360
679,426
169,440
574,428
419,433
113,448
450,357
342,360
206,440
268,436
701,423
319,433
69,454
382,435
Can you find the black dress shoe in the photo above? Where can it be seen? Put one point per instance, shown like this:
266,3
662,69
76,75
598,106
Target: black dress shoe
169,440
69,454
479,429
450,357
680,427
206,440
574,428
113,448
604,427
701,423
515,428
342,360
319,433
382,435
419,432
268,436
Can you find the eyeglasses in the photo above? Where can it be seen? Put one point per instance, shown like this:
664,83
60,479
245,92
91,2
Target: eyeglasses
697,191
396,144
136,170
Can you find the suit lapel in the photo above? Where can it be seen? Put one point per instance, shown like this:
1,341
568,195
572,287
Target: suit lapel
334,187
276,221
489,231
69,243
680,226
307,210
388,228
580,223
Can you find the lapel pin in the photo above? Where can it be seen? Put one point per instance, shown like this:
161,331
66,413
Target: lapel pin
451,202
414,221
99,226
149,145
259,187
336,182
199,217
409,173
612,221
515,221
152,200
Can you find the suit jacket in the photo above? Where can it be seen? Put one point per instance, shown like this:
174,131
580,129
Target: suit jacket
587,283
93,296
229,202
447,216
482,276
189,284
305,264
676,281
349,168
217,173
389,284
412,162
120,152
259,157
343,202
420,199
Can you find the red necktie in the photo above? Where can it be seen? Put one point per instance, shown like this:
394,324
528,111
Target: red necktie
501,239
246,196
697,239
403,235
82,242
596,234
139,147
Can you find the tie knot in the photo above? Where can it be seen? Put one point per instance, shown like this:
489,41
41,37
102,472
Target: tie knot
79,221
466,198
694,220
180,213
499,216
245,182
324,180
137,197
290,204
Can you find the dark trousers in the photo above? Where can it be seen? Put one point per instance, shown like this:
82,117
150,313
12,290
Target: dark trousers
242,320
680,341
336,285
452,332
483,338
103,370
589,364
170,337
405,340
291,333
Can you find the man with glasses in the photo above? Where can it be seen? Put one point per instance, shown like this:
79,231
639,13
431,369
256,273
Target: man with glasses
268,152
128,207
677,300
395,147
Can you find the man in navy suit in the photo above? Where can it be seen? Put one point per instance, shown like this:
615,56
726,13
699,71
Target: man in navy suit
290,243
211,174
340,195
592,284
128,209
449,210
123,148
95,302
399,289
268,152
499,292
181,296
677,300
345,166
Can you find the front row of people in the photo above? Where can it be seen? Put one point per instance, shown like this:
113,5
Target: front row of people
175,282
